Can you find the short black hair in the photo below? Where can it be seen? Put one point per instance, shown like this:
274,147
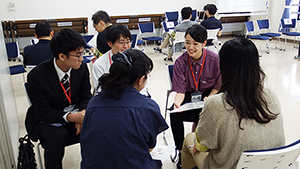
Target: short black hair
114,32
197,32
101,16
43,28
212,9
65,41
186,12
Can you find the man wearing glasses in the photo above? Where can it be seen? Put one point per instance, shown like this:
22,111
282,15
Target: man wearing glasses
119,39
59,90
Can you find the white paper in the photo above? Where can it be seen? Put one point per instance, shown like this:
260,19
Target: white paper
189,106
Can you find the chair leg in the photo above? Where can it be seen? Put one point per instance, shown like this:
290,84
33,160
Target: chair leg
166,112
267,46
39,155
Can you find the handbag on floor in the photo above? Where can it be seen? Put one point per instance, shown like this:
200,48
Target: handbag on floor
26,159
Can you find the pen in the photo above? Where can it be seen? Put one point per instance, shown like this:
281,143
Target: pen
190,146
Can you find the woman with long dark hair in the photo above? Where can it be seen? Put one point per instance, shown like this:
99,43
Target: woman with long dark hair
244,115
120,125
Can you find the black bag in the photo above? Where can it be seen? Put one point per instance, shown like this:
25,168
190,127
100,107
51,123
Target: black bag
26,159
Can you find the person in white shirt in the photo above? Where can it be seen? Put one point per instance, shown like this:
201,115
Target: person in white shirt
119,39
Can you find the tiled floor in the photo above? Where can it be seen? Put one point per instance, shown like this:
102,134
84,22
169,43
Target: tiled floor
283,76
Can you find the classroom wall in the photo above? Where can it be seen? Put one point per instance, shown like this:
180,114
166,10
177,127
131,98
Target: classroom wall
41,9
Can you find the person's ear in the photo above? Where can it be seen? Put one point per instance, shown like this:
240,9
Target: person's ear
62,57
141,80
110,44
51,34
204,43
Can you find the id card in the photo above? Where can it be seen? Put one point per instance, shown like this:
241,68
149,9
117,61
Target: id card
196,97
69,108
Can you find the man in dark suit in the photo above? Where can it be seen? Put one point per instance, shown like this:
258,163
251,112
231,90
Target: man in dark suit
40,52
59,90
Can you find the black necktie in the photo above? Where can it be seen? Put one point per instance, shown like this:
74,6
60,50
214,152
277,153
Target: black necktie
65,82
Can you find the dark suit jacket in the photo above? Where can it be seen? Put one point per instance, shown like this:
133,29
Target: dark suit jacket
38,53
47,98
102,45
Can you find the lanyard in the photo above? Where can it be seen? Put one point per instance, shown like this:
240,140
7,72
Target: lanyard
68,96
109,57
197,82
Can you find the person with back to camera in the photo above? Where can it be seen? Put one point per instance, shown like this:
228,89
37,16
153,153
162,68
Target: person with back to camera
211,22
40,52
186,14
121,125
196,76
244,115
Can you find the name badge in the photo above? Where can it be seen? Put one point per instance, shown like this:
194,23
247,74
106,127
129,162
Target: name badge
69,108
196,97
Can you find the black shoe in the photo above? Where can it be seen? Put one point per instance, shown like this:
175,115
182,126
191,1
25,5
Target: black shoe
157,49
178,165
168,59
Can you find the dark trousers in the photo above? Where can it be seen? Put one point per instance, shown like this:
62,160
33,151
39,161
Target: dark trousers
177,120
54,140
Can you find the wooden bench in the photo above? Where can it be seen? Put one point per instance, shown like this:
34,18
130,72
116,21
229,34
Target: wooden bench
132,20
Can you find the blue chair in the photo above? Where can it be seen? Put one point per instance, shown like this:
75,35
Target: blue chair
289,24
281,158
148,28
250,29
172,16
264,25
13,53
194,15
135,42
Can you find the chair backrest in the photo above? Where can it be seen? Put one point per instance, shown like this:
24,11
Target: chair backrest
172,16
249,26
194,15
134,40
87,38
263,24
280,158
288,23
147,27
26,92
12,50
170,70
212,34
179,37
169,25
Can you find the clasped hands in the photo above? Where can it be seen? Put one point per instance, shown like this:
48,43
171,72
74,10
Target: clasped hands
77,118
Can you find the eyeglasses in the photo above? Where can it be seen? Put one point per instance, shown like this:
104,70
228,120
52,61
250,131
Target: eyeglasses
81,54
124,43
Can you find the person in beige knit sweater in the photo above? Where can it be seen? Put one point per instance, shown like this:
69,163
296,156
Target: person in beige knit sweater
244,115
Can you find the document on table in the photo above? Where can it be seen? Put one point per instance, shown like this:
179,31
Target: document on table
189,106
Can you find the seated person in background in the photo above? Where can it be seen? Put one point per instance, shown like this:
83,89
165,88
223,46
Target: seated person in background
121,125
101,22
59,90
40,52
244,115
211,22
186,14
118,39
196,74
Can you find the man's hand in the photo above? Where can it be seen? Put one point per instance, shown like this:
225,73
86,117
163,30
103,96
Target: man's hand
76,117
78,128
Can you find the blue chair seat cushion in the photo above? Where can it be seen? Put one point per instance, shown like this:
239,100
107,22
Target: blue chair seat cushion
291,33
271,34
259,37
152,38
16,69
139,42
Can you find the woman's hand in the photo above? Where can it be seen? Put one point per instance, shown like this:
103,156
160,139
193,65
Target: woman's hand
194,150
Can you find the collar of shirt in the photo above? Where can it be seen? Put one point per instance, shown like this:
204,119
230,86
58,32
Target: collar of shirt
59,72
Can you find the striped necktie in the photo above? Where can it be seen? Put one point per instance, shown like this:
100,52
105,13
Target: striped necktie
65,82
